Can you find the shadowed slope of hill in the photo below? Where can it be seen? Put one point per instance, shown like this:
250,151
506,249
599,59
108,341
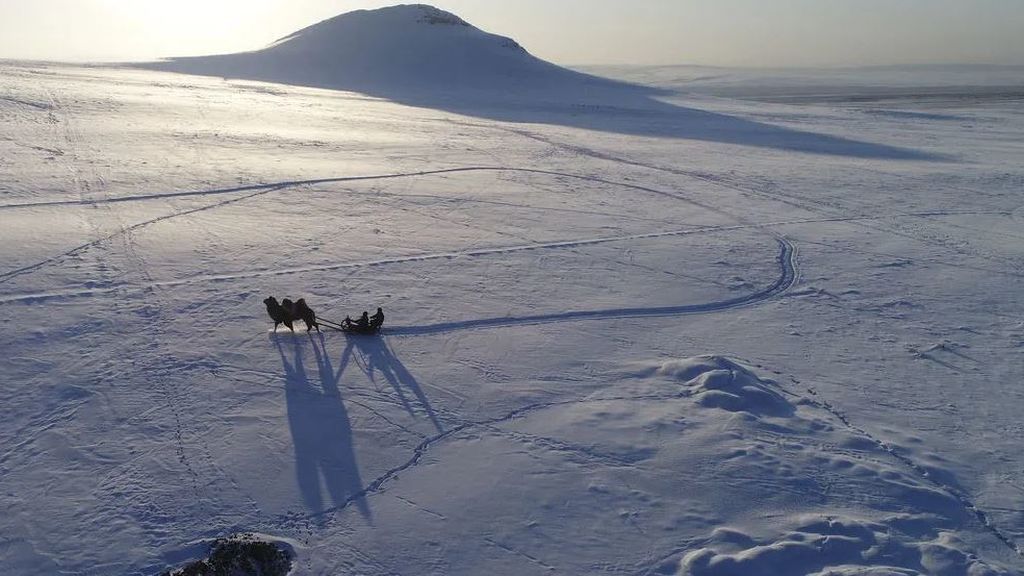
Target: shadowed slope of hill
421,56
398,50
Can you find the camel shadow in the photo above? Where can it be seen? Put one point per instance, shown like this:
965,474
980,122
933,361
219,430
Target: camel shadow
325,460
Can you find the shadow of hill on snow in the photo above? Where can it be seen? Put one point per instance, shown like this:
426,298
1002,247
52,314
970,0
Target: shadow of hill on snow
420,56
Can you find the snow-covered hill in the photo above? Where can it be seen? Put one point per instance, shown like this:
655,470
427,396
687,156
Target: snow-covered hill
611,347
400,49
420,56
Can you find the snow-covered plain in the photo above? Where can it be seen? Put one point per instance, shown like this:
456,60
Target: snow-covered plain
627,338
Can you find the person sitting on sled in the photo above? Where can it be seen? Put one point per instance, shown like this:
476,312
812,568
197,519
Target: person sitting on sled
377,320
364,321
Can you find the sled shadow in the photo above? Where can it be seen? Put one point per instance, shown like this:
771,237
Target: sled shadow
562,97
378,357
321,431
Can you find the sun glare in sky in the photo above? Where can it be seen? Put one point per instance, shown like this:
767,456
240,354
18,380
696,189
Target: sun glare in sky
710,32
215,25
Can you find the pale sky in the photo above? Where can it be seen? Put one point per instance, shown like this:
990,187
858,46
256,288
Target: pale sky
709,32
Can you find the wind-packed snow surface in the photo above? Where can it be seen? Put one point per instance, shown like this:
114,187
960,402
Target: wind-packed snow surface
671,334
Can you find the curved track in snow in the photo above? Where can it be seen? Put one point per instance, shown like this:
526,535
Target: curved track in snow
787,262
336,180
788,274
260,273
260,189
125,231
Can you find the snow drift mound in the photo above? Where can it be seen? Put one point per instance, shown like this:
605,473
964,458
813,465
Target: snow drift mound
413,47
718,382
823,546
799,490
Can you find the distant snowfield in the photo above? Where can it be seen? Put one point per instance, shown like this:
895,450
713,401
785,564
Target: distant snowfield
608,352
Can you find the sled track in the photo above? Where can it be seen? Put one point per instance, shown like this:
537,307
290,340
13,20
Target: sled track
122,288
336,180
789,273
786,259
260,189
122,232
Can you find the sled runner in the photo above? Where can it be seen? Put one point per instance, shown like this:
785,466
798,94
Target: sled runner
362,330
352,327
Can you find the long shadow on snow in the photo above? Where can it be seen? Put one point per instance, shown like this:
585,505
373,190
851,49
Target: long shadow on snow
559,97
788,274
377,356
321,431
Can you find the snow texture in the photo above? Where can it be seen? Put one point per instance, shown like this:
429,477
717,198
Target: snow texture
631,328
